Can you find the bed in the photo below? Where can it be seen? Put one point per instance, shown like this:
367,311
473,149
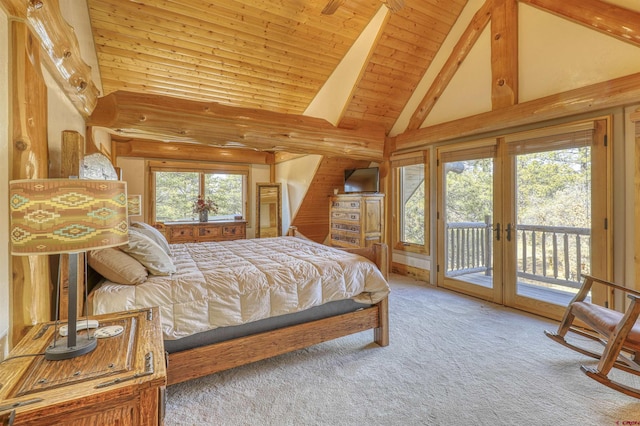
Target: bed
230,303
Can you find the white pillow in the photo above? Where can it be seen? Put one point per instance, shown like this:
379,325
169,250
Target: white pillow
149,253
152,233
117,266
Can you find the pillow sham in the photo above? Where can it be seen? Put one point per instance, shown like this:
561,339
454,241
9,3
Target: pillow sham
117,266
149,253
152,233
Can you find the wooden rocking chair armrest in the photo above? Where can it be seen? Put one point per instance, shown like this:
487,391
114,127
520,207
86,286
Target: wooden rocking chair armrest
613,285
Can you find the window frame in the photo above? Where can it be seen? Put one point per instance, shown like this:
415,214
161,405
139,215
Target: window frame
397,163
202,169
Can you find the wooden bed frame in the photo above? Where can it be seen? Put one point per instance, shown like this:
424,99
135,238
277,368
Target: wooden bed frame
205,360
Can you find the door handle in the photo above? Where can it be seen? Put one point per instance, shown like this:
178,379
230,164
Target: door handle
508,232
497,229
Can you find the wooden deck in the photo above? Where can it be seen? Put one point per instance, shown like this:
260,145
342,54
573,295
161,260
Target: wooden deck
545,292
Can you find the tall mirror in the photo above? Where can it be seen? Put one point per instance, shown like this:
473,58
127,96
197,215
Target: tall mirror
268,210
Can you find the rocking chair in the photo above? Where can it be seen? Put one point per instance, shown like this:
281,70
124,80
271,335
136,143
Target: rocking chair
618,332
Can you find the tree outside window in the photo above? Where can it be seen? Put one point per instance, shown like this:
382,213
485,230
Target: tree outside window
176,191
411,208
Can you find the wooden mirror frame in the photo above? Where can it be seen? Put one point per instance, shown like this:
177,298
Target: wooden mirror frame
278,209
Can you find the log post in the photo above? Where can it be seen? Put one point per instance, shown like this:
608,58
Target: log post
30,289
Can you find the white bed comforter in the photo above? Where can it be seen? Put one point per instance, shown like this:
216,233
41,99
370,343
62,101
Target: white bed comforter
235,282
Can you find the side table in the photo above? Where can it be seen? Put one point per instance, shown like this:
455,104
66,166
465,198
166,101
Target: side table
121,382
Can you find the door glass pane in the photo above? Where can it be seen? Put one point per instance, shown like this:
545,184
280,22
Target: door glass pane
468,213
175,193
553,229
412,204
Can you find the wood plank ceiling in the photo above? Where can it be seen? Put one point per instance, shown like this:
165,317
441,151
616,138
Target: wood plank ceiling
271,55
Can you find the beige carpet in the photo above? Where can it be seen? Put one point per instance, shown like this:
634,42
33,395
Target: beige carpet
453,360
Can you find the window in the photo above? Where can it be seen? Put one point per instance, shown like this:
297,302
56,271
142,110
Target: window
175,187
411,179
411,209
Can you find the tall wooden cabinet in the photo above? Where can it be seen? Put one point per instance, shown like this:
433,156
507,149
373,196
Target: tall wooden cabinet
356,220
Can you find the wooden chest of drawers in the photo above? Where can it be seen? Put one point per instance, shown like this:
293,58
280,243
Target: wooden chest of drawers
356,220
197,232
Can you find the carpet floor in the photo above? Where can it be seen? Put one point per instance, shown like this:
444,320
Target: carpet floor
452,360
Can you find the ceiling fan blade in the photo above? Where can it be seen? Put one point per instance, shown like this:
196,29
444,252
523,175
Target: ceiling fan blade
331,7
394,5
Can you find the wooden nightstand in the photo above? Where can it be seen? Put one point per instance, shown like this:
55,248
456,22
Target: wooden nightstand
121,382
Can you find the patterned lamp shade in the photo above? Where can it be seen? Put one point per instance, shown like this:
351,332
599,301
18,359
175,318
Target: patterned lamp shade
66,215
134,205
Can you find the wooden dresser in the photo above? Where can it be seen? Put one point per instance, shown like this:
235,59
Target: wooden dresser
356,220
122,381
197,232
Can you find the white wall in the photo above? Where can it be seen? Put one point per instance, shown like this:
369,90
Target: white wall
295,176
556,55
4,183
62,115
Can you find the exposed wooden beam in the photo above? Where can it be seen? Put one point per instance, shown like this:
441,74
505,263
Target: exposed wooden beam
188,151
14,8
612,93
460,51
168,119
60,50
609,19
504,54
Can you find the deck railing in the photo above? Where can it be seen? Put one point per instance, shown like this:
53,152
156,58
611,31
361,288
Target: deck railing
550,254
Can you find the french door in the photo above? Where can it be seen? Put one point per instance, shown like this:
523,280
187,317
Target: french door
468,219
521,219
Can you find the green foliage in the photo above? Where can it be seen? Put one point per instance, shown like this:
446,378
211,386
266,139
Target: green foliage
553,189
226,191
413,224
177,191
469,191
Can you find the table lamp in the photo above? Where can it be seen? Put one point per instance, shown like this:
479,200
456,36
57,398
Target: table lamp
53,216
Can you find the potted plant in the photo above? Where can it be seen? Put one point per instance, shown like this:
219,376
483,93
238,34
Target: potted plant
203,207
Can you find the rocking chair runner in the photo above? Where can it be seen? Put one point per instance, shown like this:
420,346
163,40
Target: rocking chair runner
618,332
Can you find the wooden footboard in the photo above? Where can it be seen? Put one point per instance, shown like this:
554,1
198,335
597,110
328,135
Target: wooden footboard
221,356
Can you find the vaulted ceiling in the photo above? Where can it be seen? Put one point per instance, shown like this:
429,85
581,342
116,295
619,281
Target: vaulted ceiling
281,75
272,55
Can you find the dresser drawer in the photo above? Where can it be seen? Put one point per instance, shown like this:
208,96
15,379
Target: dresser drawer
345,216
348,227
233,231
340,239
208,232
353,205
181,233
